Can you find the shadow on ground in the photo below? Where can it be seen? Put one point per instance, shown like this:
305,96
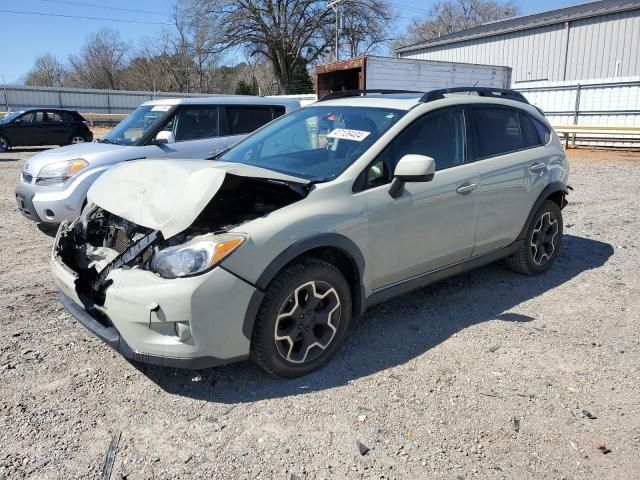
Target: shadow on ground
395,332
48,229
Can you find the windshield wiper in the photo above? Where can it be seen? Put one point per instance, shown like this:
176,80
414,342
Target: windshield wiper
106,140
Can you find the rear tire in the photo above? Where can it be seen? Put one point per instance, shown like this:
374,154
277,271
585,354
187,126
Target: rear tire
4,142
541,243
302,320
78,138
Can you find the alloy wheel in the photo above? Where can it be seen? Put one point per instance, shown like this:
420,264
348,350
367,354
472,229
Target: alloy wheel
307,322
3,144
544,239
78,139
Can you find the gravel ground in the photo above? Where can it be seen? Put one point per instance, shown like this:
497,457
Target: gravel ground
487,375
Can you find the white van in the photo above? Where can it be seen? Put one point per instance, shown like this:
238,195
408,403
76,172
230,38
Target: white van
54,183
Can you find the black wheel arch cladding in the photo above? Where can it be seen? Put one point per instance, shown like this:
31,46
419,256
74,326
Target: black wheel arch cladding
323,242
556,191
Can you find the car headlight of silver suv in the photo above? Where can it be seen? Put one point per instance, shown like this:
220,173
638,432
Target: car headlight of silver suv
196,256
58,172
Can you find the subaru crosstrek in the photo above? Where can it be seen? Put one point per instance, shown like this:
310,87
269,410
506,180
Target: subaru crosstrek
268,250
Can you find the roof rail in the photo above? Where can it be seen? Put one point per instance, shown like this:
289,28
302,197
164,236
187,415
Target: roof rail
481,91
358,93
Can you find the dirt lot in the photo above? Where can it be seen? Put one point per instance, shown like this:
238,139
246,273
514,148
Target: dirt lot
487,375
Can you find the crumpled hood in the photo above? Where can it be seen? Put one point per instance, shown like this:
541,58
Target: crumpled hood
88,151
168,195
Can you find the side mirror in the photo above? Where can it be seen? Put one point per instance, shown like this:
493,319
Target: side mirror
411,168
163,137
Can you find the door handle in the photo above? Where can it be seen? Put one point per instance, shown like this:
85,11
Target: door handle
537,167
467,188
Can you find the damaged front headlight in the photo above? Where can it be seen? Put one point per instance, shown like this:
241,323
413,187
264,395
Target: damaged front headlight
59,172
195,256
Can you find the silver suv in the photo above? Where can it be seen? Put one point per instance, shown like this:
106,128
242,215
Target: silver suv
268,250
54,183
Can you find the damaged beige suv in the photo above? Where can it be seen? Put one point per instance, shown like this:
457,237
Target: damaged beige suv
269,249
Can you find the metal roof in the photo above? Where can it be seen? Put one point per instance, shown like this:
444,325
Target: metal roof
526,22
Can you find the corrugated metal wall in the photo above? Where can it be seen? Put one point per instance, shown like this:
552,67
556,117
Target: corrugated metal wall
598,47
14,98
390,72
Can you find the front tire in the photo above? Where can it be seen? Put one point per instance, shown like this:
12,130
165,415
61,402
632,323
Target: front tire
4,142
542,242
303,319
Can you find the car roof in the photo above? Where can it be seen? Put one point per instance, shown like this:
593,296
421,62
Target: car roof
408,101
48,109
227,100
398,101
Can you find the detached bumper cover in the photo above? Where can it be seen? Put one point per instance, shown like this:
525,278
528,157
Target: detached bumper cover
109,335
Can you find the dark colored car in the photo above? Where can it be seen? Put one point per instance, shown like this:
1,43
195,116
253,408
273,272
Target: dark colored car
43,126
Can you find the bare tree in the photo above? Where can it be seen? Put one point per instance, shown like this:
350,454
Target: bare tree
289,34
47,71
455,15
365,26
101,61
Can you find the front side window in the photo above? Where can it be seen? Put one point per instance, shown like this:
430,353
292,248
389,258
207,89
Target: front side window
316,142
194,123
497,131
439,135
133,128
27,118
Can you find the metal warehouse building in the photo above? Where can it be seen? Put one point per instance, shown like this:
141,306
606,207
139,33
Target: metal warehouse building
589,41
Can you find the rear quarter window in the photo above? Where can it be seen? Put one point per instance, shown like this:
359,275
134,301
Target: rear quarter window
543,131
530,137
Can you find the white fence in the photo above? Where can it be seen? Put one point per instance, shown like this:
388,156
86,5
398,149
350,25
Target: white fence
590,104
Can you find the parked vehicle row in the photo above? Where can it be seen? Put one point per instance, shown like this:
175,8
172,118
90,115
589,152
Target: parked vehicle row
55,182
267,249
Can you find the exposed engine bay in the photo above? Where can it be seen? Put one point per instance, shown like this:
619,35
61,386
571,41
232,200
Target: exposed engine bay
99,241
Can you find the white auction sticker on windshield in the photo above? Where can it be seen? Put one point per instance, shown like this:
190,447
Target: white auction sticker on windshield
346,134
161,108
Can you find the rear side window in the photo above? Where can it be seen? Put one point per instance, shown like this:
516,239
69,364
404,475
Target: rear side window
497,131
52,117
242,120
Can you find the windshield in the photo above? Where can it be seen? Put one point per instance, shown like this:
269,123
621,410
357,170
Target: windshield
131,130
317,143
10,116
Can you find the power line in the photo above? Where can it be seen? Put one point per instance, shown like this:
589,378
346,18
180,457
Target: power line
408,7
93,5
105,19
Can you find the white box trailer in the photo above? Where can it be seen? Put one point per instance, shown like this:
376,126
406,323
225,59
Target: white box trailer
373,72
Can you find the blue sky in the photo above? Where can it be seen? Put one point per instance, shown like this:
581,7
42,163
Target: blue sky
27,35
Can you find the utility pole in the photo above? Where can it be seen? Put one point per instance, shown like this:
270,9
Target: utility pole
335,5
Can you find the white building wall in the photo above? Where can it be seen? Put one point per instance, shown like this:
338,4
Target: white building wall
592,48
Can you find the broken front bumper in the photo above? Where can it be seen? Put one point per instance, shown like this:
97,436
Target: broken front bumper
193,322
